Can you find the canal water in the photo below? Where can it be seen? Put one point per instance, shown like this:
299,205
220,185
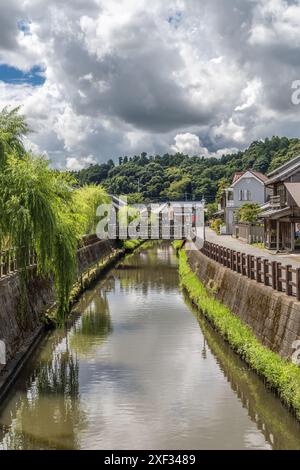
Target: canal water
138,368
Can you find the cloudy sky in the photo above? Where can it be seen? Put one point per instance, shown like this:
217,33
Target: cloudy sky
103,78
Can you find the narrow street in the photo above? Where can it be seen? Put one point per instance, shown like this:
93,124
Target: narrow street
238,245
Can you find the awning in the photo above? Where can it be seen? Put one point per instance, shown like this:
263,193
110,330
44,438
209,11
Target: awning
294,190
276,213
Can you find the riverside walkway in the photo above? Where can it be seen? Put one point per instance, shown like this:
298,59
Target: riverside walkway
235,244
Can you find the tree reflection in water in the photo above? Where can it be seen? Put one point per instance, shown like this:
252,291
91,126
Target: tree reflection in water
48,416
93,326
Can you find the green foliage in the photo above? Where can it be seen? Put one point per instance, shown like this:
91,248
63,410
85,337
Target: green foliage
223,183
130,245
13,127
211,209
249,212
176,177
216,225
40,209
35,206
279,375
85,202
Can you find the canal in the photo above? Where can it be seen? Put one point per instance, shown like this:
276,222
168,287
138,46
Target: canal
139,368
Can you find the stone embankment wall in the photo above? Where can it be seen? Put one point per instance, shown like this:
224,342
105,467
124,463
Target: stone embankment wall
21,316
273,317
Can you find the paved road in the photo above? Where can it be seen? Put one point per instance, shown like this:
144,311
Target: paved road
235,244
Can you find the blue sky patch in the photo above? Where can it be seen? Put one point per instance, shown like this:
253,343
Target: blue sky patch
12,75
175,19
24,26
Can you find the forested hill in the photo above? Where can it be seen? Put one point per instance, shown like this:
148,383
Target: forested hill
176,177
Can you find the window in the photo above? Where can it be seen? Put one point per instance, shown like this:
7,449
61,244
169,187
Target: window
245,195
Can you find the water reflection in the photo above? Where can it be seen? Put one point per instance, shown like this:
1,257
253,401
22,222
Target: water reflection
46,413
93,326
136,369
279,428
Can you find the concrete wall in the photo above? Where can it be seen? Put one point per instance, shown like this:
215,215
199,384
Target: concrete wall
273,317
21,317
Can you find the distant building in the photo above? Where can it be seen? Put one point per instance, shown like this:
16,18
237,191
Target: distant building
247,186
282,213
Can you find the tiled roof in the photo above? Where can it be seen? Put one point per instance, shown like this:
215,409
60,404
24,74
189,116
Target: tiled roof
258,175
237,176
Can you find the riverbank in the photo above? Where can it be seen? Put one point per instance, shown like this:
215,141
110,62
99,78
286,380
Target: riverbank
279,375
134,370
47,318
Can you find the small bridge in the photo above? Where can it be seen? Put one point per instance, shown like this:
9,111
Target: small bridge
152,221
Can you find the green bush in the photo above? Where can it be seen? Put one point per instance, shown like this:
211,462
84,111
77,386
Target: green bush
249,212
216,225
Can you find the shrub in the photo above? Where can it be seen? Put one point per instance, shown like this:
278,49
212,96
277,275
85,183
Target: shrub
216,225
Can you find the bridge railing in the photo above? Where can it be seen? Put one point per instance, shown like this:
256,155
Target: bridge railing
282,278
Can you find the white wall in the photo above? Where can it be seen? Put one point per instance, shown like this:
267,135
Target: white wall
250,183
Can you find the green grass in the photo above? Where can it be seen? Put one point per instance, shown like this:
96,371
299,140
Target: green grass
130,245
258,245
279,375
177,245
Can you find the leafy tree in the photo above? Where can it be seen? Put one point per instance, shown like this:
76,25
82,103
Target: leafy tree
249,212
40,209
13,129
196,176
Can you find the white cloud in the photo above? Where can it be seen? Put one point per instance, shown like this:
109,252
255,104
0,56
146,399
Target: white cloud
127,76
250,94
190,144
75,163
230,131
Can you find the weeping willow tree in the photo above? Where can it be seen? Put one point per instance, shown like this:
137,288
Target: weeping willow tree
40,209
35,212
85,202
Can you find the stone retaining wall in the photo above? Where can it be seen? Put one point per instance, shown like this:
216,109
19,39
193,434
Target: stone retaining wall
21,317
273,317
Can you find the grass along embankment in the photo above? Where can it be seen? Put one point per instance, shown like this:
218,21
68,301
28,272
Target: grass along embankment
280,375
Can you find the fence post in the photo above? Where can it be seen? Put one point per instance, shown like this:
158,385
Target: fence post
279,277
249,266
232,260
289,279
238,260
266,272
274,274
243,264
252,267
298,283
258,269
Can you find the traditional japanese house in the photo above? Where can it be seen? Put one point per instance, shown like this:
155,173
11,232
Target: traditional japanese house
247,186
282,214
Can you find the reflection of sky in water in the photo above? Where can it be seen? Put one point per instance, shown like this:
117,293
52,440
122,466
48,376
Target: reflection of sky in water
137,373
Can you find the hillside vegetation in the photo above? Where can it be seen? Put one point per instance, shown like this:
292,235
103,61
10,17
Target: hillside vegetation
178,176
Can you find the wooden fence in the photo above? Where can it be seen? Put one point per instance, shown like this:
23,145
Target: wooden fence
282,278
9,264
250,233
